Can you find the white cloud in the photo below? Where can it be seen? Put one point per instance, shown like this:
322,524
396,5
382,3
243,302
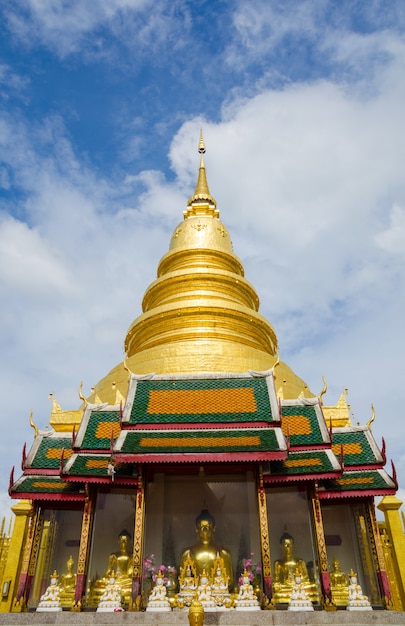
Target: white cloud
87,25
393,238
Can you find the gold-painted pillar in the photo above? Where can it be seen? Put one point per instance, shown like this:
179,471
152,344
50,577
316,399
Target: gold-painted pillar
390,506
389,564
11,574
138,545
84,549
29,559
378,555
365,543
320,544
264,538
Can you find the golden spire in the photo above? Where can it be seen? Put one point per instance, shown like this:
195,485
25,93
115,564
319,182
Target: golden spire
201,203
200,314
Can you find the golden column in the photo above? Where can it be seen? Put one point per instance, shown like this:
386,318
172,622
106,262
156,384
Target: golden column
264,537
321,551
138,545
84,549
12,568
390,506
36,520
378,555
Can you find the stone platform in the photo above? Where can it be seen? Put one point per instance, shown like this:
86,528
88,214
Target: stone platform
231,618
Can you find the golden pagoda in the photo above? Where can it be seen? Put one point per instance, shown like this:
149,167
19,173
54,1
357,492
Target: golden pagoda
201,460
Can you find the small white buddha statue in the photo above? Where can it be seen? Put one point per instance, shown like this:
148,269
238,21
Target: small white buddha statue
357,600
111,598
204,593
50,600
246,600
299,600
158,600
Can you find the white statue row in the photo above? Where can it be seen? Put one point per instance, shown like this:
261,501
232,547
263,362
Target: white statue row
214,595
357,601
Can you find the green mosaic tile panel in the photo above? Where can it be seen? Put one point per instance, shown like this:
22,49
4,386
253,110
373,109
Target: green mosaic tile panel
302,424
201,400
98,431
96,465
49,452
44,484
356,448
358,481
244,440
303,463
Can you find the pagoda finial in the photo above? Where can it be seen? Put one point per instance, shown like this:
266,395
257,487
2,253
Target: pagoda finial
201,188
201,144
201,203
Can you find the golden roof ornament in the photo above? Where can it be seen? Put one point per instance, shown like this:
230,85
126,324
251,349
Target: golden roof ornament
372,418
32,424
324,390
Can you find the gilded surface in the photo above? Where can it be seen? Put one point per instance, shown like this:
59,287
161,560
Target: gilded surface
264,530
365,553
377,551
87,521
392,576
200,314
138,534
390,506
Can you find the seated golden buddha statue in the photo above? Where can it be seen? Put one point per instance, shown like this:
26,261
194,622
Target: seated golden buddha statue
285,571
68,584
120,567
339,584
204,552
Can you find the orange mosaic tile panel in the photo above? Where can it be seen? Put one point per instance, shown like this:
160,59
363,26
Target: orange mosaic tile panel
42,484
348,448
55,453
296,425
97,463
356,481
303,462
104,430
197,401
184,442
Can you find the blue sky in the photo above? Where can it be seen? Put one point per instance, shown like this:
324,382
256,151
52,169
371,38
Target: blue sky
301,103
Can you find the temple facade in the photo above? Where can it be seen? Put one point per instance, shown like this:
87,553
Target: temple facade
202,465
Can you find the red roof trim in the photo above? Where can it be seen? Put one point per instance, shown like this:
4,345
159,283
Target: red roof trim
99,479
281,478
55,497
357,468
329,495
200,457
315,446
197,426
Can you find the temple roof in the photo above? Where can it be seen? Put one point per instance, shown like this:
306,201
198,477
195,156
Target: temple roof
233,417
200,445
303,422
357,484
359,447
40,487
304,465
